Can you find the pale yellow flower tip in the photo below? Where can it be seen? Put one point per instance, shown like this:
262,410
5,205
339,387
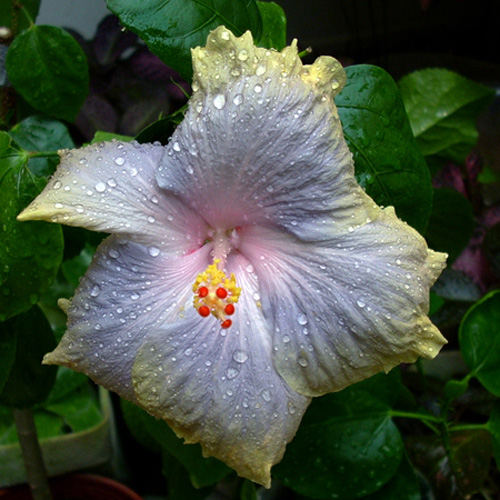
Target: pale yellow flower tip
227,58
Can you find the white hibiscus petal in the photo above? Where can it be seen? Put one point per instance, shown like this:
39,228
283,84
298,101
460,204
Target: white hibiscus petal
349,308
111,187
218,387
127,292
262,142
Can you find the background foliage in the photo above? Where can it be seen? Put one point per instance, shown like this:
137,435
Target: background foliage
426,431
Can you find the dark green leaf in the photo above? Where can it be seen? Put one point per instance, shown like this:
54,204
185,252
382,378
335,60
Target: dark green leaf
494,428
37,133
388,162
171,28
180,486
479,336
31,252
202,471
443,107
403,485
29,381
457,469
273,26
132,415
67,382
49,69
8,342
451,223
353,444
109,136
79,409
4,142
12,15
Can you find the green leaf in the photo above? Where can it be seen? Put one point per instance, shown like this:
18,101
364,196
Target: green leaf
456,467
109,136
202,471
132,415
451,223
494,428
29,381
4,142
479,336
171,28
389,165
31,252
354,445
7,355
49,69
403,485
180,486
79,409
37,133
273,26
12,14
248,491
443,107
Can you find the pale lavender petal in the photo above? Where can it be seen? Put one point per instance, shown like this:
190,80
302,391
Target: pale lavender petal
262,142
219,387
112,187
127,293
349,308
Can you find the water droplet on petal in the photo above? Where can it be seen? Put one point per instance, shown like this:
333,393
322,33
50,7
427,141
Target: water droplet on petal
57,185
243,55
238,99
240,356
303,362
266,395
302,319
100,187
231,373
224,35
135,296
219,101
153,251
112,183
120,160
258,88
176,146
360,303
96,290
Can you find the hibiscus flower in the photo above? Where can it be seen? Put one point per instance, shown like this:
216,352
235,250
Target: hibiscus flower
246,271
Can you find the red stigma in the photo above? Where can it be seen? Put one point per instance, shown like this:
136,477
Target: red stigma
221,293
202,291
226,324
204,311
229,309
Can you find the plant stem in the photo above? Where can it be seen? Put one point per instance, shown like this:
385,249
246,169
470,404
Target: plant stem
32,454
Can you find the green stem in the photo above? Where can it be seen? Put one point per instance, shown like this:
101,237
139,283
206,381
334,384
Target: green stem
469,427
420,416
20,6
32,455
43,154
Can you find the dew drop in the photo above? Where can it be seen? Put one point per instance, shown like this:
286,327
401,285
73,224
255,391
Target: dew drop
258,88
188,351
302,319
112,183
59,205
266,395
135,296
57,185
96,290
176,146
243,55
224,35
260,70
231,373
120,160
360,303
238,99
100,187
219,101
153,251
114,253
303,362
240,356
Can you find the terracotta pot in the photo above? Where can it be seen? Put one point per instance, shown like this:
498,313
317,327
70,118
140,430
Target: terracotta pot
76,487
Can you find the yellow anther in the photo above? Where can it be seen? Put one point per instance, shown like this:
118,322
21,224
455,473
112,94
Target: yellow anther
215,293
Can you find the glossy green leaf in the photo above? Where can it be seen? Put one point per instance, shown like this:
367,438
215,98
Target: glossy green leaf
18,15
403,485
479,337
49,69
171,28
31,252
494,428
353,447
29,381
109,136
273,26
389,165
202,471
443,107
37,133
451,223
